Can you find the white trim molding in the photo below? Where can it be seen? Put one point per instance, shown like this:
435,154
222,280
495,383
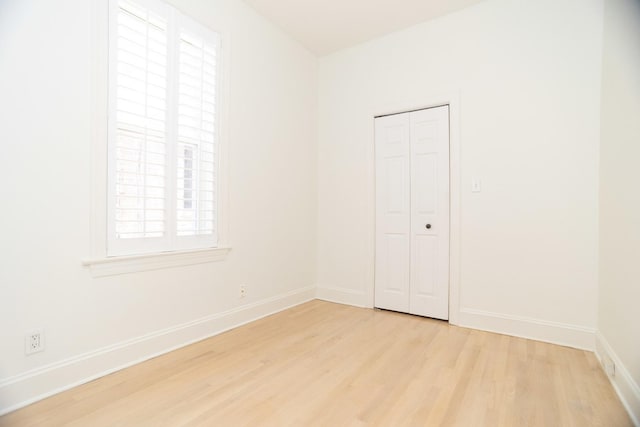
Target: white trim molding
37,384
111,266
342,296
624,385
525,327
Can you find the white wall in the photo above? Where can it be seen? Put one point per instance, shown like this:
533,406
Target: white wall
528,77
619,333
45,135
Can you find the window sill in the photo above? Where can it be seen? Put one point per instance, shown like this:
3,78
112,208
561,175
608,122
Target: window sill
111,266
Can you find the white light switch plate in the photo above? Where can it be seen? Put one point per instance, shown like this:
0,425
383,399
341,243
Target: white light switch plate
476,185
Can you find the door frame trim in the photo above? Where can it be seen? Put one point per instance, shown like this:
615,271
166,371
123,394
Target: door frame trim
452,99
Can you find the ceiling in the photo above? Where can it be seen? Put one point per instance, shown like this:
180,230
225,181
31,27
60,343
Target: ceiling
325,26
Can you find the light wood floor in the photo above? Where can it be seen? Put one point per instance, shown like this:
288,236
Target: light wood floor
331,365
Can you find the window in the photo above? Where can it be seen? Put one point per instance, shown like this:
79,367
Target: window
163,130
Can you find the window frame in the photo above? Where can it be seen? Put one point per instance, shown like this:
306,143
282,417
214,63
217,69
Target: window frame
99,163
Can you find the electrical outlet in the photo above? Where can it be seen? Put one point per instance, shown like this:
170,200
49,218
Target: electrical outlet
34,342
609,367
243,291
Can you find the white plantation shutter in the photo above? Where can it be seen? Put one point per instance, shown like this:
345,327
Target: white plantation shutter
162,130
196,171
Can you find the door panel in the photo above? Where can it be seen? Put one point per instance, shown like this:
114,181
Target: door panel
426,196
429,146
393,240
394,256
425,248
396,181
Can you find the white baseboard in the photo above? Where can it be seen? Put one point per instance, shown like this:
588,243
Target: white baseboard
37,384
540,330
341,296
627,389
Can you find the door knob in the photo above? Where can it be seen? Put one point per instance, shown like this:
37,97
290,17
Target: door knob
428,226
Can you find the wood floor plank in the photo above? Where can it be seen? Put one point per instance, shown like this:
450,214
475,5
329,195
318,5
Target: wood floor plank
324,364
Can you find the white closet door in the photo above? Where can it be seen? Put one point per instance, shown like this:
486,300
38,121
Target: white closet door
412,212
393,226
429,289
